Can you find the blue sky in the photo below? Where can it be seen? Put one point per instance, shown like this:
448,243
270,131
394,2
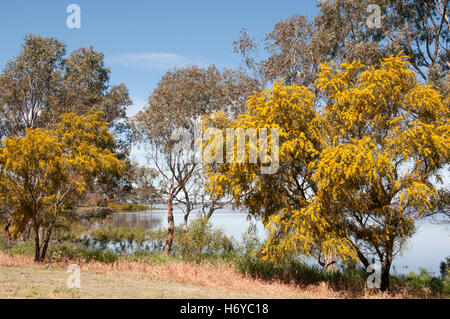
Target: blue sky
140,39
143,39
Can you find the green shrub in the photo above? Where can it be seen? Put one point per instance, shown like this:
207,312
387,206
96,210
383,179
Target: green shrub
201,241
74,252
444,268
128,207
250,240
424,280
69,231
124,237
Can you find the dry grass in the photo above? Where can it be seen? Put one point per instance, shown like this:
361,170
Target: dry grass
222,279
40,282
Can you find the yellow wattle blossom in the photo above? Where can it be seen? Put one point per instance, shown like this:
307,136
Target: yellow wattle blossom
45,171
356,161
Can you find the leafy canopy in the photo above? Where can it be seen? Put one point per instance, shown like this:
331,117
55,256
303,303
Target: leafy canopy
357,161
44,172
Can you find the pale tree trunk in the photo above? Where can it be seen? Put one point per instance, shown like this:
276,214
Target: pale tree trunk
330,263
187,213
185,221
189,208
212,207
210,212
170,230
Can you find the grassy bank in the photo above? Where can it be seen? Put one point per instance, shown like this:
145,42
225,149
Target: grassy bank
42,281
204,257
150,278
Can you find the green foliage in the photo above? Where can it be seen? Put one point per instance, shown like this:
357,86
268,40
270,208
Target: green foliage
290,268
19,247
444,268
44,173
293,269
74,252
201,241
125,238
297,45
424,280
40,84
250,240
128,207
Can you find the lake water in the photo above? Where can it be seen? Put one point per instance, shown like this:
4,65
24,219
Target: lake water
427,248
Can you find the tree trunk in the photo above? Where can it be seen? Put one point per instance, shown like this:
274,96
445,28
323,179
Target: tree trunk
185,221
385,268
170,230
37,249
47,240
189,208
7,233
330,263
211,210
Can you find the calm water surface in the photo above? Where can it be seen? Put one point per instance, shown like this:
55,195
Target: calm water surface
427,248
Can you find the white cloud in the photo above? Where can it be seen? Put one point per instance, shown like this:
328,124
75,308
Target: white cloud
152,60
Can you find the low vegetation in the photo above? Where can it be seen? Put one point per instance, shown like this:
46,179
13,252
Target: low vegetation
128,207
204,247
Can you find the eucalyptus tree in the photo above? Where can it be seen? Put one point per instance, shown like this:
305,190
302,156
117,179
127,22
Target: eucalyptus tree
41,83
343,32
174,108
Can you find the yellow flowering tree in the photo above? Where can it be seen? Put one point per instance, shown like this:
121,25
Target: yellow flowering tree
43,173
356,162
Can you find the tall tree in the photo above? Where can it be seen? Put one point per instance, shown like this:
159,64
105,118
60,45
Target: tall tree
341,32
356,167
418,28
297,46
41,84
43,173
174,108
